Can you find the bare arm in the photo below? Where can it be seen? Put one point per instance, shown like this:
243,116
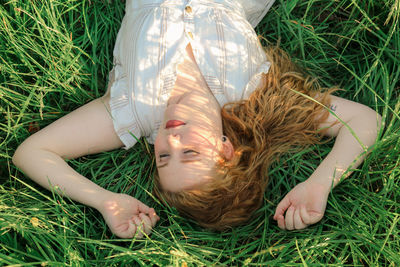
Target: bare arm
352,141
355,130
87,130
84,131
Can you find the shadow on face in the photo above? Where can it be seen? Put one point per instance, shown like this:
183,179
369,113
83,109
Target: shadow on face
186,165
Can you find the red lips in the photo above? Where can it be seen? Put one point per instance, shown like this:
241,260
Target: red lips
173,123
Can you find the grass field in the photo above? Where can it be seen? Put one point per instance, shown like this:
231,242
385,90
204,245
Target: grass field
55,56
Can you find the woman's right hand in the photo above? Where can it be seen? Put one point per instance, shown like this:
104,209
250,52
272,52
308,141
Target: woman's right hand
127,217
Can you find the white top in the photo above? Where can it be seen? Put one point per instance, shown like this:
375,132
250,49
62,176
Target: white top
151,42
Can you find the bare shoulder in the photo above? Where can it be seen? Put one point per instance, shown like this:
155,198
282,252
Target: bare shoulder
342,111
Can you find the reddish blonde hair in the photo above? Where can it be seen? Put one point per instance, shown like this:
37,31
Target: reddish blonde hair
279,116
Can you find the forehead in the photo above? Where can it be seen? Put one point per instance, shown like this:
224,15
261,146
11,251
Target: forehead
184,176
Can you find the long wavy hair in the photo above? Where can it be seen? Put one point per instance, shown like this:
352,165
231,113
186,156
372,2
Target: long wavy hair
282,115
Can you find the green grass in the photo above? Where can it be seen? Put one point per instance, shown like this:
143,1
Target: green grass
55,56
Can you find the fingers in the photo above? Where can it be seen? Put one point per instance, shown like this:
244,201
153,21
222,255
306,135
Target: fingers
281,222
131,230
146,223
151,213
146,220
305,216
143,207
282,207
153,217
297,219
289,218
125,230
139,227
143,224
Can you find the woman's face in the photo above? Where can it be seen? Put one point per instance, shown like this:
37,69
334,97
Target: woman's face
188,143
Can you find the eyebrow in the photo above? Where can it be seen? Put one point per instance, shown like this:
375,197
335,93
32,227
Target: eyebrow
183,161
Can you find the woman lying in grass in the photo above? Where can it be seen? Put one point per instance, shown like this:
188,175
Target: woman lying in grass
176,63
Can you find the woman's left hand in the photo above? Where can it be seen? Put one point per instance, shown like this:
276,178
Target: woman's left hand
303,205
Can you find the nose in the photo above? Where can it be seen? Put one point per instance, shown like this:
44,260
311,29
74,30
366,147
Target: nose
174,140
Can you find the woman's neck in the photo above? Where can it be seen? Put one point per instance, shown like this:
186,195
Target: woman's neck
191,90
189,78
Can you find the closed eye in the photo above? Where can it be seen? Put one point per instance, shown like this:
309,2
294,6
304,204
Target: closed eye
186,152
191,151
163,156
